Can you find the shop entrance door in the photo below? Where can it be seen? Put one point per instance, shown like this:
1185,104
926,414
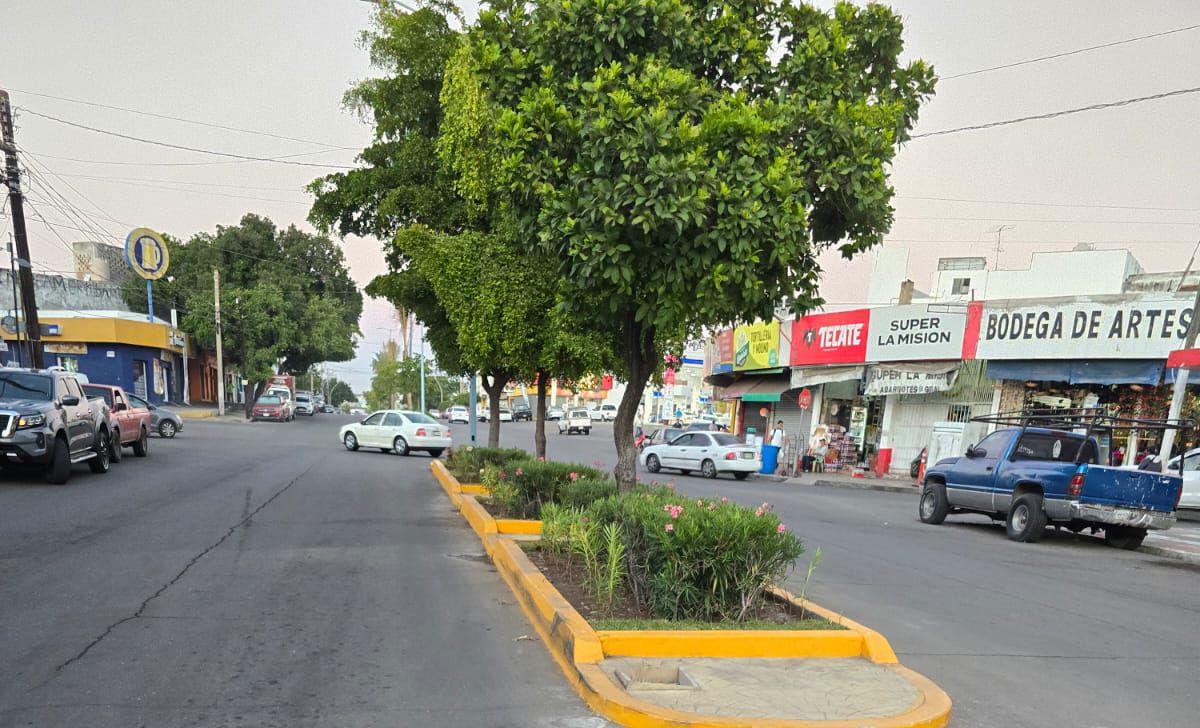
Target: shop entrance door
139,379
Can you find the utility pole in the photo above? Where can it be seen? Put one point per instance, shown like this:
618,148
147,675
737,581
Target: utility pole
1181,382
246,403
12,259
472,403
220,360
421,359
12,176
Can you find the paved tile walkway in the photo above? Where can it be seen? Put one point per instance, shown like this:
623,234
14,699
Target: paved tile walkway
805,689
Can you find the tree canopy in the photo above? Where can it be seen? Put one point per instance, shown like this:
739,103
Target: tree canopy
682,164
287,299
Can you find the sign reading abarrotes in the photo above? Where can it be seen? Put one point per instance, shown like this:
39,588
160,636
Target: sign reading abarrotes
147,254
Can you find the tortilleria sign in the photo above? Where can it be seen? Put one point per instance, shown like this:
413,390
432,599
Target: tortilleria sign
1102,327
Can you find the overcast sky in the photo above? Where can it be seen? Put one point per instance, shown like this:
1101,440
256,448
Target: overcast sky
282,67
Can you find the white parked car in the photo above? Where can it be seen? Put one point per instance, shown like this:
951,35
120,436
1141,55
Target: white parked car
711,453
458,413
604,413
304,404
505,414
575,420
398,431
1191,478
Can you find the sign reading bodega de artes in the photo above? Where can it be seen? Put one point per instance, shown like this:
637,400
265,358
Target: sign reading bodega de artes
1104,327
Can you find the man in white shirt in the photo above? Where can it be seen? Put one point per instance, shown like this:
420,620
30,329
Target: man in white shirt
778,435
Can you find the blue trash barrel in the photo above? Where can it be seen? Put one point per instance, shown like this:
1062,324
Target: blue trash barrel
770,459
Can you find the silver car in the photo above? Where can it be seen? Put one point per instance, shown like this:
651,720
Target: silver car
163,421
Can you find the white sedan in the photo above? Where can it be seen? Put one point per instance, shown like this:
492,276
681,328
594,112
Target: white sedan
1191,478
712,453
398,431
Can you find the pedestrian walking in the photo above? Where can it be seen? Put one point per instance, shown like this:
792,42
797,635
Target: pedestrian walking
778,435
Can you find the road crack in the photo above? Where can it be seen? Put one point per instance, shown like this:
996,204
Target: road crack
171,582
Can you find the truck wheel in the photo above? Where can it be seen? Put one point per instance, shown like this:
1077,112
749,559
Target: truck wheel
652,463
100,463
708,470
1124,537
934,505
58,470
115,452
141,447
1026,519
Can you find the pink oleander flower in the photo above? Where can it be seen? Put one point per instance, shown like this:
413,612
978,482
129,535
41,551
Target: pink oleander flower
673,511
520,471
541,458
669,527
573,475
724,499
666,509
780,528
758,511
502,476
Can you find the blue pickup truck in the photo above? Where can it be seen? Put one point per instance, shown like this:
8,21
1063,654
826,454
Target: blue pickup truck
1034,476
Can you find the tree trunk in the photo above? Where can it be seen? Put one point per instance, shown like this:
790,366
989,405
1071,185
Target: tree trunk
539,417
254,390
494,390
640,355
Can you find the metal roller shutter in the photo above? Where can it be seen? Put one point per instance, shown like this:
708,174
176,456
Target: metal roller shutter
796,423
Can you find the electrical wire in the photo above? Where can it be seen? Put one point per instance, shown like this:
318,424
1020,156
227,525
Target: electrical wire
1050,204
170,145
222,185
186,120
174,164
1064,54
1056,114
207,192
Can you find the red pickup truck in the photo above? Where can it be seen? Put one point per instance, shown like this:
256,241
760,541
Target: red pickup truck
130,424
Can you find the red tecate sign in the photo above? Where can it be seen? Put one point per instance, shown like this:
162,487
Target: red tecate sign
830,338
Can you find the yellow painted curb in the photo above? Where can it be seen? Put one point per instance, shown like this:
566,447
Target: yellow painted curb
448,482
475,489
731,643
578,649
518,527
195,414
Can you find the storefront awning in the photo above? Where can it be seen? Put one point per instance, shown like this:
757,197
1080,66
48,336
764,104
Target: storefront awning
813,376
1080,371
767,390
754,389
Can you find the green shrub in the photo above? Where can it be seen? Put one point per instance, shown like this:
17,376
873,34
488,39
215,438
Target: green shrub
583,492
466,462
522,487
698,558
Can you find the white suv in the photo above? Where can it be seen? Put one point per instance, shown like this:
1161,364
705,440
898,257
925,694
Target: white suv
604,413
458,413
576,420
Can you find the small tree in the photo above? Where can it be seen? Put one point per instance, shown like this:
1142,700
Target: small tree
683,165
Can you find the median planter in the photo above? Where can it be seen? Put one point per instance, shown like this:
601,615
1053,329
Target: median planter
713,677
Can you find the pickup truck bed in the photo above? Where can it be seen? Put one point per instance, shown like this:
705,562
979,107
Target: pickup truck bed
1029,477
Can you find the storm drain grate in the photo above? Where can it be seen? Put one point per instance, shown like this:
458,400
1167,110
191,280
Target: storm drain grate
654,677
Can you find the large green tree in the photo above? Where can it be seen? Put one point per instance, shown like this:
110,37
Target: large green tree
287,299
684,163
485,300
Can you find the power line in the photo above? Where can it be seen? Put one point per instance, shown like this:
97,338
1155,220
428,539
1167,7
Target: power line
1056,114
176,164
200,192
1050,204
170,145
1081,222
221,185
1064,54
186,120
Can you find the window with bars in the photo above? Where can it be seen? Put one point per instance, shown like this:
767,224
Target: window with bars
959,413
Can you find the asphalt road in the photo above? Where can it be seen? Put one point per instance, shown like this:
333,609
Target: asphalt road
259,575
1066,632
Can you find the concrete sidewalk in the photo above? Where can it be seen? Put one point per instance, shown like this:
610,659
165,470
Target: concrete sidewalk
1181,542
845,480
